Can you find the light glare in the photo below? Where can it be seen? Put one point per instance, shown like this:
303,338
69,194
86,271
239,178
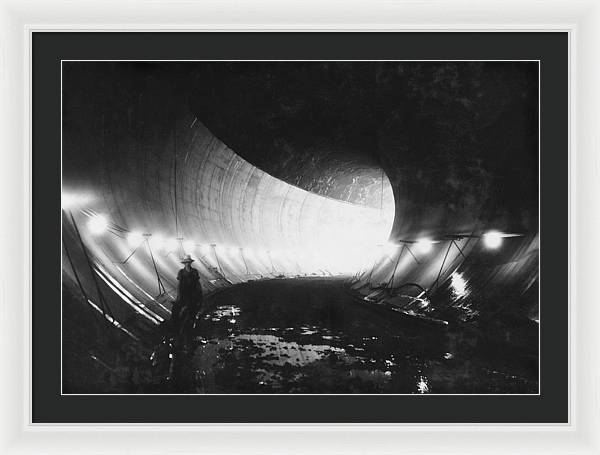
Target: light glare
157,241
492,239
188,246
135,238
69,200
98,224
458,285
423,385
390,248
424,246
171,245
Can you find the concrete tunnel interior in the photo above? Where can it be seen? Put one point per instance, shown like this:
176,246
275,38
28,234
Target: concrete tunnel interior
291,171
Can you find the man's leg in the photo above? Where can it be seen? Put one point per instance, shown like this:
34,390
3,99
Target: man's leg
175,317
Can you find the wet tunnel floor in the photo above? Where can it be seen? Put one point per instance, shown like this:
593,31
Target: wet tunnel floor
312,335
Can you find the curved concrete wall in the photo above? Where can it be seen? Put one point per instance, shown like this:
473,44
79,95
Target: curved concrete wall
457,140
194,195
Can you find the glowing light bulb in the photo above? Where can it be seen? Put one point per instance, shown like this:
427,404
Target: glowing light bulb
135,238
492,239
98,224
424,246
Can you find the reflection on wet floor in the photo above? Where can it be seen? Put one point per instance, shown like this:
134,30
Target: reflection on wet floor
279,364
252,347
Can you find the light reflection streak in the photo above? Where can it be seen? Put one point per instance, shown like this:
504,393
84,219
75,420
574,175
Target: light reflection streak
97,224
127,297
142,290
112,320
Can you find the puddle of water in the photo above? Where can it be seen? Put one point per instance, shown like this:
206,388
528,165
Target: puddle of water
231,356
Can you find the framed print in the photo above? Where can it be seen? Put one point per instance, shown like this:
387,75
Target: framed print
291,288
360,231
305,258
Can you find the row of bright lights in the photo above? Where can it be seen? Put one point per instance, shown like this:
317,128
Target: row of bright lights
347,242
491,239
98,224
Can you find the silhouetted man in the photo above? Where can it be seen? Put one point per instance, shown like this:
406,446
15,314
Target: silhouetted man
189,297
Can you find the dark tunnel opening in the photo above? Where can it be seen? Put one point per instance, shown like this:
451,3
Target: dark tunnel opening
374,212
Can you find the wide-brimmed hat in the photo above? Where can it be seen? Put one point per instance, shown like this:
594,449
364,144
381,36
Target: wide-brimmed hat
186,259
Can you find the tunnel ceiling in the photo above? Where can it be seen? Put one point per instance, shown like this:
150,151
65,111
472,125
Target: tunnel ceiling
460,135
444,133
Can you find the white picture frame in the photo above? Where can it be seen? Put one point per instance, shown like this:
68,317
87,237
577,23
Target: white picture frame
18,20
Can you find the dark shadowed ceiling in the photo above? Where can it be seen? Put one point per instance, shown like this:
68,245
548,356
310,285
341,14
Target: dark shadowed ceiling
456,130
453,137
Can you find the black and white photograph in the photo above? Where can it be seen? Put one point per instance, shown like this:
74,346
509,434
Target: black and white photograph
326,227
